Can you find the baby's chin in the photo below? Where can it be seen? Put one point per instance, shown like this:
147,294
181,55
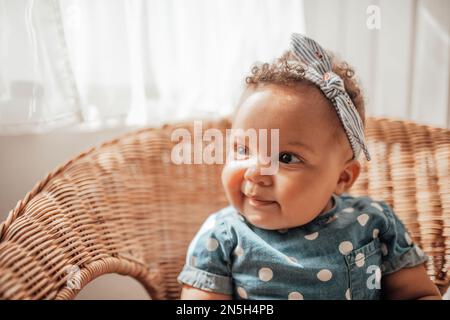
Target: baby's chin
273,219
269,217
259,218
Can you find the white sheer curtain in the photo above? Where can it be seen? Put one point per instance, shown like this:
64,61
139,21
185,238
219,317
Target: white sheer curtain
144,62
37,88
403,66
101,62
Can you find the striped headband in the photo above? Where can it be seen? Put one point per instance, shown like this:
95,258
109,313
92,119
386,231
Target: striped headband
318,71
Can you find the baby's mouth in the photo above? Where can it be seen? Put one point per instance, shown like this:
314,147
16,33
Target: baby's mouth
258,202
254,199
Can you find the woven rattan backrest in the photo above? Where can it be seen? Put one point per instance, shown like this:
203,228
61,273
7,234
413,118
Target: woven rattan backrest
124,207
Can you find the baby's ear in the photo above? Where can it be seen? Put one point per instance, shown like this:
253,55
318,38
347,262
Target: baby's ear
348,176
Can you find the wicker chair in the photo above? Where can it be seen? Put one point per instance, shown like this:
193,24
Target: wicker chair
125,208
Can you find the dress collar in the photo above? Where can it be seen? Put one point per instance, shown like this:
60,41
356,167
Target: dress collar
324,217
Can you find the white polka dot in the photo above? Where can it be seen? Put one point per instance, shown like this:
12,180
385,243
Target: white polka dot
348,295
345,247
359,259
376,205
242,293
265,274
375,233
348,210
295,296
212,244
384,249
324,275
312,236
362,219
408,239
238,251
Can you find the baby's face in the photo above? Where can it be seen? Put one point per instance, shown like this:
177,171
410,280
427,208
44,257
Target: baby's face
311,161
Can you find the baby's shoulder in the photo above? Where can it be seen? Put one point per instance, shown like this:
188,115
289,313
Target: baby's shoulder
363,203
367,208
223,220
225,216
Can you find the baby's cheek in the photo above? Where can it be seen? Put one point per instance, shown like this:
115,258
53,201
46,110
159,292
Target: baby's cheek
232,178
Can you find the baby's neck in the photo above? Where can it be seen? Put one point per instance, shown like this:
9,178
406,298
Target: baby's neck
329,206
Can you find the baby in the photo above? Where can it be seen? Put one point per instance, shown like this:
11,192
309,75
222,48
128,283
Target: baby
296,234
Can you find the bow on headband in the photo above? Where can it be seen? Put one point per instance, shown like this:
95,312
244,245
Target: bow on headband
318,71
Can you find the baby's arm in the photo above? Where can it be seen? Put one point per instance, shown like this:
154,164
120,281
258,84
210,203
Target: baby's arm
409,284
206,274
191,293
404,274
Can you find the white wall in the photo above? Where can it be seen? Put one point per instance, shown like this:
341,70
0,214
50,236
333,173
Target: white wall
26,159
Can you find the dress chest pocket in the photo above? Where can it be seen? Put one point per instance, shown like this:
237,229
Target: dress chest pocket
364,273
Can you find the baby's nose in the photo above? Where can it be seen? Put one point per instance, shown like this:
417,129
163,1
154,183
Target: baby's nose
254,175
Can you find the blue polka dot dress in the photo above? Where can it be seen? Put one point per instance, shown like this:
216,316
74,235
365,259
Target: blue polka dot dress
341,254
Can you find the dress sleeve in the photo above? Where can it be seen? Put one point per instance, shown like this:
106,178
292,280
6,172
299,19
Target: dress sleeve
208,264
398,249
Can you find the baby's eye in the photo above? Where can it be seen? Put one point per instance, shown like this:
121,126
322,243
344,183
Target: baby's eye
240,150
287,157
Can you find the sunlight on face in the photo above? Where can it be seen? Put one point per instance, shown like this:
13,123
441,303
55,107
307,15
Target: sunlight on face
310,159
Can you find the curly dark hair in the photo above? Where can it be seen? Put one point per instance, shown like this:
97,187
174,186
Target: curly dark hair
287,70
